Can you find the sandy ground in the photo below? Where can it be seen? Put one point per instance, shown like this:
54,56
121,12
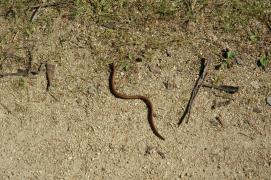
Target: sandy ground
79,130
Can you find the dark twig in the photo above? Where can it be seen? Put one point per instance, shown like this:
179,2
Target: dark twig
30,60
20,72
218,119
225,88
199,82
35,12
50,70
45,5
269,26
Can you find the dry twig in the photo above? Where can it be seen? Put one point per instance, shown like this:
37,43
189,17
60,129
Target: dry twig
55,4
225,88
199,82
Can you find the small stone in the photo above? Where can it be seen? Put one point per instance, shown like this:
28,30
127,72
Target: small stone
154,69
149,150
268,100
91,90
239,62
170,84
42,67
168,53
163,156
191,27
255,84
139,59
109,25
79,101
257,110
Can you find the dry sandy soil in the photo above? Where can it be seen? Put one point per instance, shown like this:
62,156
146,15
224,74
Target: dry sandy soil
79,130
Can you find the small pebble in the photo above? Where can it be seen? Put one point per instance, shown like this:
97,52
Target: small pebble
168,53
257,110
154,69
191,27
255,84
268,100
239,62
149,150
79,101
163,156
138,59
170,84
92,90
109,25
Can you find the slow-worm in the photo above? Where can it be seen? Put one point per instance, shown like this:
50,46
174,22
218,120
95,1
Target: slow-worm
142,98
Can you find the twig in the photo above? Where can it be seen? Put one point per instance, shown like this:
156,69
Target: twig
219,121
35,12
225,88
199,82
269,26
251,138
20,72
50,70
45,5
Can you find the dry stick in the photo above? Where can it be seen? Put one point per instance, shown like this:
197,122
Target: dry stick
45,5
50,70
268,25
25,72
199,82
225,88
35,12
20,72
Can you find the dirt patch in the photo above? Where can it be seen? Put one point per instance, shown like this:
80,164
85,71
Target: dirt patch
79,130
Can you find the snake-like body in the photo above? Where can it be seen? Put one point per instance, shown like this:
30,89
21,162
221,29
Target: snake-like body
142,98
